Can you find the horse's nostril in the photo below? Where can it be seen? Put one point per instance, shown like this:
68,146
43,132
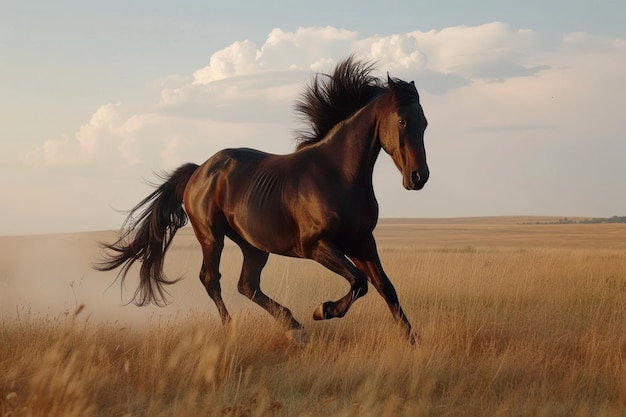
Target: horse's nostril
415,176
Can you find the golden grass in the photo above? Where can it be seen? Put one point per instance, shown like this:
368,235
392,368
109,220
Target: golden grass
508,329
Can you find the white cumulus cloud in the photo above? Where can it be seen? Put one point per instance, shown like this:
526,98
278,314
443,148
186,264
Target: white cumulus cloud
237,59
89,143
493,51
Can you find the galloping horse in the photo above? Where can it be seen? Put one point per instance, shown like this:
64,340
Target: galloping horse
317,202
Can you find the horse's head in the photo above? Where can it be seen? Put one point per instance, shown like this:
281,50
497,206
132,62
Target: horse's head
401,132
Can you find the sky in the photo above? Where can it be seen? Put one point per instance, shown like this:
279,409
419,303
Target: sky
524,99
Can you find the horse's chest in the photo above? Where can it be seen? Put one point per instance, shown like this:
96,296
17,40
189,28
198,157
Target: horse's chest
354,217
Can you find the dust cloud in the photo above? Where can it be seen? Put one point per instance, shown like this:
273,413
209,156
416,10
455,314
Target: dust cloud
52,275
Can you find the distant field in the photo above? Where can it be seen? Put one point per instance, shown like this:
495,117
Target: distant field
516,319
502,232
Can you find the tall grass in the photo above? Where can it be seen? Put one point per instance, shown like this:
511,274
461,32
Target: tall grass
510,332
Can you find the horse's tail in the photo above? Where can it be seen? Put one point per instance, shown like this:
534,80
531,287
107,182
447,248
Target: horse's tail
146,235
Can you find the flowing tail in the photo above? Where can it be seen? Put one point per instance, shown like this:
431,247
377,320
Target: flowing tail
147,237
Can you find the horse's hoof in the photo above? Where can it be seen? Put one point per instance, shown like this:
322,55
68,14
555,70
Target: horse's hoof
318,314
299,337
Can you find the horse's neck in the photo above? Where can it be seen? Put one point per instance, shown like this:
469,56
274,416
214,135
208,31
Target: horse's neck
353,145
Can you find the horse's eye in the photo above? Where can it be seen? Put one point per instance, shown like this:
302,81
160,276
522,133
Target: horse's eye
402,122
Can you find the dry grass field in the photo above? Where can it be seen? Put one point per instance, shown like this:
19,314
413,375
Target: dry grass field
515,319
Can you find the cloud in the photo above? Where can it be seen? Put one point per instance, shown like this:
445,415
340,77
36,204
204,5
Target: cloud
256,98
491,51
439,83
499,100
306,48
154,139
89,143
589,42
237,59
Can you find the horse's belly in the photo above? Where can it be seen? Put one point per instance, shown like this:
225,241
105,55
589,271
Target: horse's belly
267,232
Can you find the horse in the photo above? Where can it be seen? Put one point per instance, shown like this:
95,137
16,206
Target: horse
316,203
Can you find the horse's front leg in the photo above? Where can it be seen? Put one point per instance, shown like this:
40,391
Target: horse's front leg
332,258
369,263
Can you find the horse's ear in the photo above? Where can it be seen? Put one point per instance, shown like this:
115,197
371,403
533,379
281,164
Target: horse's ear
413,83
390,81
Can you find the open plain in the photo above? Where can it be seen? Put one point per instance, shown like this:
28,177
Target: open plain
516,319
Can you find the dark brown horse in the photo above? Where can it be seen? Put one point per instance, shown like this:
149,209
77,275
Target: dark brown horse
316,203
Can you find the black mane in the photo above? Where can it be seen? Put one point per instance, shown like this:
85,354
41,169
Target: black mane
331,98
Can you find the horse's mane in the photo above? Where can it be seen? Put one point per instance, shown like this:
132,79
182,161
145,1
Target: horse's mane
331,98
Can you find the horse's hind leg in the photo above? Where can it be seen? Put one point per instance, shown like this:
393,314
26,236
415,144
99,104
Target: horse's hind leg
210,274
249,285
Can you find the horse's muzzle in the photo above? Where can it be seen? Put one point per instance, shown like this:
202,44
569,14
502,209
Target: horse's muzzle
418,180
